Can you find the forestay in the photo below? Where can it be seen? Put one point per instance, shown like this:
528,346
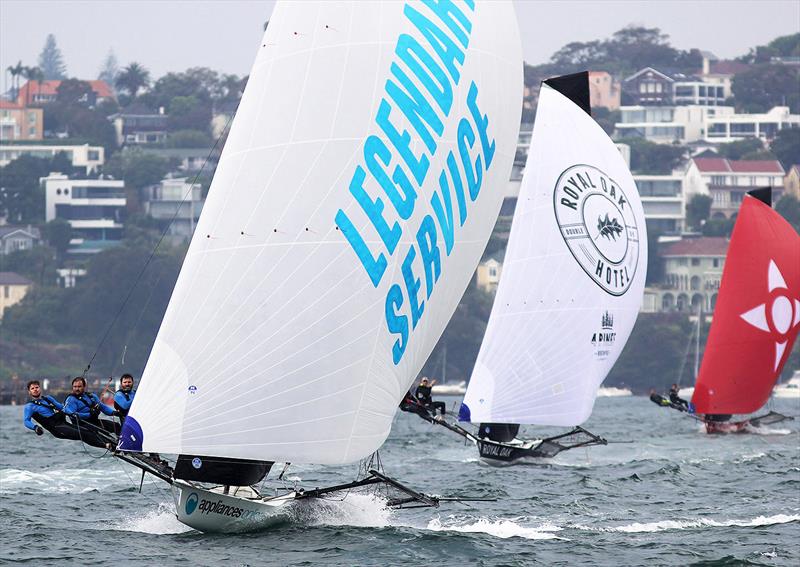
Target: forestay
573,275
360,181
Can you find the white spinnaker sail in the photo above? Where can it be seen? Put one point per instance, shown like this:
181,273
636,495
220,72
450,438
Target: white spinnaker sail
306,306
572,280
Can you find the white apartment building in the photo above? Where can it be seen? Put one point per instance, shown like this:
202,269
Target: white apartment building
663,202
667,124
727,181
94,209
732,127
696,123
85,156
700,93
174,201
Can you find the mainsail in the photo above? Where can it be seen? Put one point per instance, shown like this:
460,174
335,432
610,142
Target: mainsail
573,274
357,189
757,314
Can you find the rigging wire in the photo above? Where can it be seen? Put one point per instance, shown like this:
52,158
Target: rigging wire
155,249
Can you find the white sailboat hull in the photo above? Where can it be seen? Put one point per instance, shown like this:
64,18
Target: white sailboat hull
211,511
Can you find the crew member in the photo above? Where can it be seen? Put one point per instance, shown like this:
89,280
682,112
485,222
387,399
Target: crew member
423,395
47,411
123,398
658,398
84,408
676,399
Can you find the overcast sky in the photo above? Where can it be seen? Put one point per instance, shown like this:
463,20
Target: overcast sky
173,35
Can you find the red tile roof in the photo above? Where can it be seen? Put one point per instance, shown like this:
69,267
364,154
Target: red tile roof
711,164
756,166
10,105
702,246
714,165
50,88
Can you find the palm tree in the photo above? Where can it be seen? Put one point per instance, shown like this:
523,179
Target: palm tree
16,71
132,79
34,74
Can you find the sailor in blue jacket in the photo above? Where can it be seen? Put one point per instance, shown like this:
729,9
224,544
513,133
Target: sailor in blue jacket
84,405
47,413
123,398
84,409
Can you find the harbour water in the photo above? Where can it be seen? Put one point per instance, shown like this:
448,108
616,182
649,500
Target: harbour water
662,493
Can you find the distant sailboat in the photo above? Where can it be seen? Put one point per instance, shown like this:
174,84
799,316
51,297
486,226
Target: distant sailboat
357,189
572,284
756,319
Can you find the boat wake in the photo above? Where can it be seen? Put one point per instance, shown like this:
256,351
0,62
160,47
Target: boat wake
499,527
161,521
15,481
358,510
764,430
367,510
667,525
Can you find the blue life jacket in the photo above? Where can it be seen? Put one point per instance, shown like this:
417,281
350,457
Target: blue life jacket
45,407
123,401
82,406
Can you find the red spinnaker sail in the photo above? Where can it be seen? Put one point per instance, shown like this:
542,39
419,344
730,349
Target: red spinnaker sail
757,315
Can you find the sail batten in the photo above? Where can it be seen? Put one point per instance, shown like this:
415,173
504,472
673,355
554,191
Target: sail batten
322,273
572,276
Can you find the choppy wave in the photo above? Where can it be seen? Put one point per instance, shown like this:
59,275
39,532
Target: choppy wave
764,430
161,521
14,481
666,525
502,528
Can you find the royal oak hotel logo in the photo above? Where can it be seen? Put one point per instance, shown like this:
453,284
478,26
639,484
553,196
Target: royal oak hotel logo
598,226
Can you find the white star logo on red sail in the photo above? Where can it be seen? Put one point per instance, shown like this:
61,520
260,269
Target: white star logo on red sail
778,315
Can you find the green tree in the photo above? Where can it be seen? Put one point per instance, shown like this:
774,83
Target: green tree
698,210
189,139
789,208
189,113
35,75
650,158
58,233
719,227
462,337
40,314
21,194
786,146
738,149
109,69
652,356
16,71
51,62
192,83
133,79
78,121
38,264
73,91
81,315
765,86
138,168
606,118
